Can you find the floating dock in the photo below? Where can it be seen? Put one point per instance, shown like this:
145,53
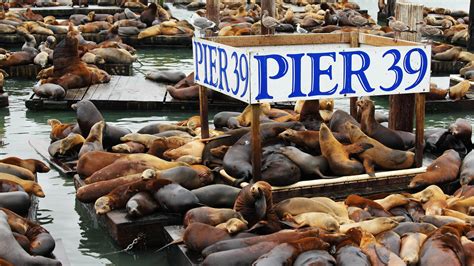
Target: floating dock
65,168
127,93
63,12
30,71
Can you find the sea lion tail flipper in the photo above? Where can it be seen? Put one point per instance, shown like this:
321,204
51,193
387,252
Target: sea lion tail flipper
323,176
291,224
216,137
357,148
177,241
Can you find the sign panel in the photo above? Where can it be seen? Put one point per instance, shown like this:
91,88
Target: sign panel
289,73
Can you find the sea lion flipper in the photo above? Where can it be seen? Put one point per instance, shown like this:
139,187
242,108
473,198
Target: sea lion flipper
323,176
177,241
382,254
357,148
369,167
291,224
261,207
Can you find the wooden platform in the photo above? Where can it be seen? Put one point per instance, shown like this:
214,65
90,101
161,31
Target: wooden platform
14,40
31,71
63,12
64,168
127,93
124,230
180,253
443,68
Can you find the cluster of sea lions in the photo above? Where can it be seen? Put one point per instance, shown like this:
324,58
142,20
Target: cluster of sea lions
421,228
451,25
24,242
456,136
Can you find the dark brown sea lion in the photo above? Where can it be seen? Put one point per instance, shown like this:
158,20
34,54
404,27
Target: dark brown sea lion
226,120
288,252
465,191
149,14
120,195
141,204
443,246
17,201
237,159
444,169
380,155
18,58
228,139
217,195
255,204
210,216
278,169
337,155
94,161
373,129
310,116
22,240
13,252
93,141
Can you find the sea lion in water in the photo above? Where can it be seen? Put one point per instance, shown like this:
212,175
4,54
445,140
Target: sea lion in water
310,165
444,169
313,219
93,142
13,252
410,248
466,174
31,187
337,155
380,155
174,198
210,216
141,204
217,195
373,129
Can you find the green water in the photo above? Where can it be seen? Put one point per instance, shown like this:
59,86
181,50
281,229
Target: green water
85,242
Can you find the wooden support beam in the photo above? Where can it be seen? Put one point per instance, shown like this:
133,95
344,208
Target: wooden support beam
470,41
354,42
420,127
283,39
268,5
256,144
402,106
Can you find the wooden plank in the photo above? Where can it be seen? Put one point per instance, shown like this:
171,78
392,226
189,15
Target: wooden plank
354,42
256,144
103,92
420,126
283,39
470,41
203,112
375,40
121,90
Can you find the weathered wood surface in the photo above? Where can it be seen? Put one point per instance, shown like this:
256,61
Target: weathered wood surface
66,11
30,71
180,254
63,167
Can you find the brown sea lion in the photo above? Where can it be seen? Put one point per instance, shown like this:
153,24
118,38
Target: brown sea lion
444,169
309,139
464,191
255,204
392,201
357,214
464,205
380,155
459,91
93,142
96,160
31,187
288,252
17,171
198,236
129,147
443,246
448,55
373,129
210,216
149,14
436,94
141,204
59,130
118,197
338,155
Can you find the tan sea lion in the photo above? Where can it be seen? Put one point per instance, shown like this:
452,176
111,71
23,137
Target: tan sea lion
72,143
459,91
463,205
444,169
393,200
93,142
193,148
313,219
233,226
149,32
410,248
31,187
432,192
379,155
298,205
145,139
374,226
338,155
339,208
129,147
448,55
210,216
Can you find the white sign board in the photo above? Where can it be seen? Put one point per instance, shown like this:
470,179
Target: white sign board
289,73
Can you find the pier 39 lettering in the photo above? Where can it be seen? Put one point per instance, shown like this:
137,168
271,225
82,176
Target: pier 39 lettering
289,73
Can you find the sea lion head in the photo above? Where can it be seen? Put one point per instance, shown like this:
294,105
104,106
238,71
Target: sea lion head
70,142
326,104
288,134
387,223
149,174
102,205
41,167
38,191
353,130
124,148
53,122
324,131
235,225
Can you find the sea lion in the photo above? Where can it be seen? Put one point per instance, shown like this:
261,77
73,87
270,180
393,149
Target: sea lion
217,195
93,142
432,192
410,248
17,171
412,227
448,55
462,130
96,160
315,257
308,140
350,255
90,58
310,165
17,201
371,206
144,139
255,204
175,198
374,226
131,164
9,186
159,145
129,147
141,204
468,246
464,191
338,119
288,252
357,214
237,159
149,14
160,128
436,94
13,252
373,129
59,130
390,240
31,187
209,157
226,120
119,197
337,155
187,177
71,145
444,246
298,205
167,76
459,91
314,219
440,220
278,169
377,253
380,155
444,169
233,226
463,205
210,216
194,148
392,201
114,55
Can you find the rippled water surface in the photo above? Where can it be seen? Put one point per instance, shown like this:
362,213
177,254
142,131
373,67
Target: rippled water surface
85,242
